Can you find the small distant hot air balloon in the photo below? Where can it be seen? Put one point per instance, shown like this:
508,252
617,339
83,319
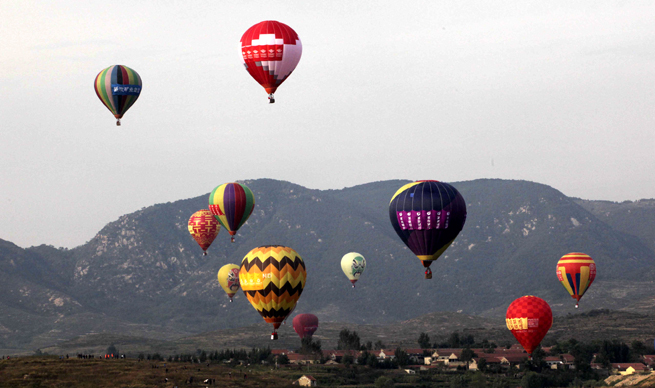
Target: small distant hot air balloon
270,51
576,271
305,325
231,204
353,265
529,318
228,278
273,277
118,87
427,216
204,228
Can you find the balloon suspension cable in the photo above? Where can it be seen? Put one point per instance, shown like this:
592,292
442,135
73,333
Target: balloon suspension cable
232,239
118,122
271,98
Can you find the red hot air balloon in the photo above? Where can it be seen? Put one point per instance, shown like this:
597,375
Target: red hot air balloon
305,325
529,318
204,228
270,50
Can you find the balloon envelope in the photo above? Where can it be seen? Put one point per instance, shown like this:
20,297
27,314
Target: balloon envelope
305,325
529,318
353,265
228,278
273,277
232,204
427,216
204,228
118,87
270,51
576,271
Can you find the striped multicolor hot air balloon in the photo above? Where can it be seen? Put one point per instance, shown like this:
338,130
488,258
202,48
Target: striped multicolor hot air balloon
204,228
118,87
270,51
427,216
273,277
232,204
576,271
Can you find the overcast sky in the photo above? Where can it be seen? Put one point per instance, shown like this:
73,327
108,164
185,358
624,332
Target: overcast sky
560,93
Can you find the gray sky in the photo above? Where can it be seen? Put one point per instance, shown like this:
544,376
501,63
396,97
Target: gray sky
560,93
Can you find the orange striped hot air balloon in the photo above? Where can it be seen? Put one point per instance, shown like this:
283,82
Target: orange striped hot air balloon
273,277
576,271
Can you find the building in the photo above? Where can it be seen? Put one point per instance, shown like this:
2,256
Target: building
628,368
649,360
306,381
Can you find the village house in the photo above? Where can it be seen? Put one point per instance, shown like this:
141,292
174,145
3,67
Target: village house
649,360
563,361
509,360
416,355
445,356
303,359
600,369
306,381
337,355
554,362
386,354
568,360
490,358
628,368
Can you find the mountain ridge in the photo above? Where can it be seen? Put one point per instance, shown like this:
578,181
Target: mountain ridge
143,273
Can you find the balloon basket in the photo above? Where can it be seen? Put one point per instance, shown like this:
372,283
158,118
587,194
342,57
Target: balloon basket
274,336
353,286
271,98
576,306
232,239
428,274
204,253
118,122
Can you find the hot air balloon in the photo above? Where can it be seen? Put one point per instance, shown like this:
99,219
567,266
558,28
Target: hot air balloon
353,265
273,277
228,278
427,216
118,87
305,325
204,228
576,271
231,204
270,50
529,318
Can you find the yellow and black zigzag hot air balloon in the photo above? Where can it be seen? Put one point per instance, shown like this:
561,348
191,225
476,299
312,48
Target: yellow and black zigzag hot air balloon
273,277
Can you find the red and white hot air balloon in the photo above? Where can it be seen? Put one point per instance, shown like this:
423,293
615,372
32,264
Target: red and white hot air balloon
270,50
